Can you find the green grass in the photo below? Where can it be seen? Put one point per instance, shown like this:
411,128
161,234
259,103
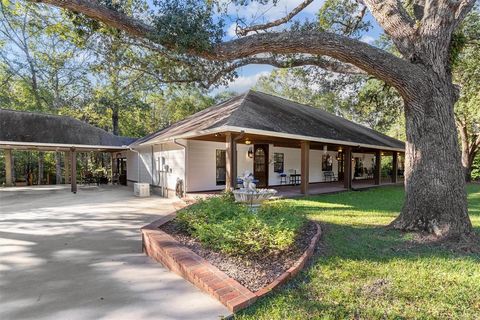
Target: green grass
365,271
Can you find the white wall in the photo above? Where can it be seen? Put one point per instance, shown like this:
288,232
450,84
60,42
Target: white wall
292,161
244,163
202,165
151,169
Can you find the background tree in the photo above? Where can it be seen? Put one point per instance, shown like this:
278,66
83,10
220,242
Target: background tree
466,74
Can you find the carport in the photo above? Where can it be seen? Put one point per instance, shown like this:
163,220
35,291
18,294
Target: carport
24,131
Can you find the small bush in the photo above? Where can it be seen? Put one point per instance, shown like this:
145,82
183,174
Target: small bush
223,225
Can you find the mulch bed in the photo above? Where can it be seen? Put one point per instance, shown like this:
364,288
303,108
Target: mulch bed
252,272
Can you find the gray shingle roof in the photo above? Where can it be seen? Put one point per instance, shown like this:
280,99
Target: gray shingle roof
261,111
32,127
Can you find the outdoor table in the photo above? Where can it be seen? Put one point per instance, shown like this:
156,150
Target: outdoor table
295,178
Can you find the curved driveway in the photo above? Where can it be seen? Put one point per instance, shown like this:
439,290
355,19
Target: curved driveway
66,256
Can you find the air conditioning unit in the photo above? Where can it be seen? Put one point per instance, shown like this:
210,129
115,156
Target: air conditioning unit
141,189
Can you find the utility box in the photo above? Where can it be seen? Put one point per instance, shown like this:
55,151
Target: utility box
141,189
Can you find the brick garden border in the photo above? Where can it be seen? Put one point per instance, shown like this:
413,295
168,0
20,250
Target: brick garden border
163,248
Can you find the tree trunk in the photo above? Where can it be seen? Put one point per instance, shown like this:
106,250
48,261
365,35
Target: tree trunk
467,162
41,160
434,177
115,120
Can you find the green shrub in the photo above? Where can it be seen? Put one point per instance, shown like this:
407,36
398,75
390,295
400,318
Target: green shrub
223,225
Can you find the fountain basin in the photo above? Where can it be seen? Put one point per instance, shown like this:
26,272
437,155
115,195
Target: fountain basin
253,196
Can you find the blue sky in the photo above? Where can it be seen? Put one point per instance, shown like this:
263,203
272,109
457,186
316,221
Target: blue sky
256,13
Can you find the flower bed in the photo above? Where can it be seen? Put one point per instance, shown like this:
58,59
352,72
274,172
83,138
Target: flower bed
246,261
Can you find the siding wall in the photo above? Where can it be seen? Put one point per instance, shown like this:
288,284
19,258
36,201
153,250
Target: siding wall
201,167
292,161
160,166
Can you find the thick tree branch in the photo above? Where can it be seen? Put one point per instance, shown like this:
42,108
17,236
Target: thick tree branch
396,22
110,17
244,31
282,62
377,62
464,7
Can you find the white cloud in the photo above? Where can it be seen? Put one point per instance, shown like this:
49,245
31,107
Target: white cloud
368,39
243,83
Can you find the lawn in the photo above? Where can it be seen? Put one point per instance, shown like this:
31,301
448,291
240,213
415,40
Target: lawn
364,271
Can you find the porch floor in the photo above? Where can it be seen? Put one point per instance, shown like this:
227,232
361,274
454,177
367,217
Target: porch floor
290,191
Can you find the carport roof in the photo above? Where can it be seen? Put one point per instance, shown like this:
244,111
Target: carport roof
32,130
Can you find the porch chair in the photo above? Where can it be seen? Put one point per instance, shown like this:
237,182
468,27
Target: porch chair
283,178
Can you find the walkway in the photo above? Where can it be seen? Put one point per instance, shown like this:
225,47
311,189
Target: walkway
66,256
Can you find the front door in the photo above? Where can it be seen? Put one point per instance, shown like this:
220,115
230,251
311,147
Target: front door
260,164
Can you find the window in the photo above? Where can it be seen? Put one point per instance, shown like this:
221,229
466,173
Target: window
221,167
278,160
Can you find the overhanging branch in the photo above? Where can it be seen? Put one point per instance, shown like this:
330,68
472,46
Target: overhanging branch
245,31
393,70
393,18
282,62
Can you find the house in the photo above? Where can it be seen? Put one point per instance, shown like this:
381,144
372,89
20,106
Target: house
277,140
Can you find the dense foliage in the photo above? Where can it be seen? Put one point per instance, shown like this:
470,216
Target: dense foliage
221,224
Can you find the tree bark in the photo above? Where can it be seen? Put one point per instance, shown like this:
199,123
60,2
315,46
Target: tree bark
435,199
115,120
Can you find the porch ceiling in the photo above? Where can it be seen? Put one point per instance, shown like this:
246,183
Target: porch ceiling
281,142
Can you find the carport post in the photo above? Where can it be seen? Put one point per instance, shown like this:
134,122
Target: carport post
112,165
73,164
8,167
66,169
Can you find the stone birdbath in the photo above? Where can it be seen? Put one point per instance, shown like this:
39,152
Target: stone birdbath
250,195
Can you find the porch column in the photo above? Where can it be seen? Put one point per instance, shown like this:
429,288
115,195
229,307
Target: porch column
305,166
347,168
8,168
378,167
73,171
66,167
394,167
229,162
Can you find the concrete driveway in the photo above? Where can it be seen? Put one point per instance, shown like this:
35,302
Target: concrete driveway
66,256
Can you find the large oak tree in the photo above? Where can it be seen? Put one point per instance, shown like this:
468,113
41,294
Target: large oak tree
421,30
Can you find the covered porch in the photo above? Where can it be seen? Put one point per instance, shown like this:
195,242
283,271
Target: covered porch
297,166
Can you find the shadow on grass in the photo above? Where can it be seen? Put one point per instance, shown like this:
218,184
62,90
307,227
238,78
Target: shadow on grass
357,252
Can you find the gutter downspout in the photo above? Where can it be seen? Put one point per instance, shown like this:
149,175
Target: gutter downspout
186,164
